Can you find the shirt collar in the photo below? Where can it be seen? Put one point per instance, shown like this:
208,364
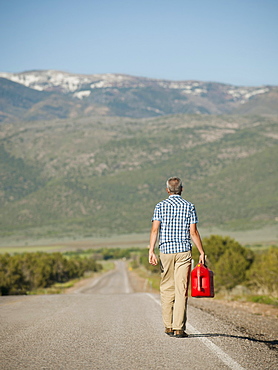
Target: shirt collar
174,195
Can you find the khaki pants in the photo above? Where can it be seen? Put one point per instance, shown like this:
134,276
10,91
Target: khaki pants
175,275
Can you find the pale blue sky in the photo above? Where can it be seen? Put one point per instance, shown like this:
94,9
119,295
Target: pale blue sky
230,41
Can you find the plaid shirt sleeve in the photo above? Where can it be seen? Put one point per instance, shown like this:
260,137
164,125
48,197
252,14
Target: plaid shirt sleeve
157,213
193,215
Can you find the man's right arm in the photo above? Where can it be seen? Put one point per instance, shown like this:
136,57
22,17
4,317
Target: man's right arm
195,236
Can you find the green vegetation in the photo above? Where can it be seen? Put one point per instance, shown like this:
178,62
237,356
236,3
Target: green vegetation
228,260
263,275
56,288
262,299
233,265
103,176
22,273
140,264
17,178
105,254
31,249
60,288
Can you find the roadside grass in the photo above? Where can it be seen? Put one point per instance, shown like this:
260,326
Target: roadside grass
61,288
107,266
152,280
262,299
57,288
248,297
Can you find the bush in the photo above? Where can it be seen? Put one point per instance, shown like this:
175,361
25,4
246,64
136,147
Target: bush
25,272
230,270
263,274
227,259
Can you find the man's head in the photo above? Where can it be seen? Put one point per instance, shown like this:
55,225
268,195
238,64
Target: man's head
174,185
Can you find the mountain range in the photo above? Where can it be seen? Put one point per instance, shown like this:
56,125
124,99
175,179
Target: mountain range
84,155
49,94
99,175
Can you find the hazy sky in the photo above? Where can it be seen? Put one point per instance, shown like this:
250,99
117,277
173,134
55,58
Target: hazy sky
231,41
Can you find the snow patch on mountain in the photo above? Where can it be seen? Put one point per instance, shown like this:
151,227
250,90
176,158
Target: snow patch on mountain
246,93
81,85
29,80
82,94
48,80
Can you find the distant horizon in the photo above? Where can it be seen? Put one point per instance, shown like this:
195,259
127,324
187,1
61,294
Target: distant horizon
138,76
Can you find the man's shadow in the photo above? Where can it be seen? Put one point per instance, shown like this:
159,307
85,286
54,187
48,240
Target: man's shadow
270,343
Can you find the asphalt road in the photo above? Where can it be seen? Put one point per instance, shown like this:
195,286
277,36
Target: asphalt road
107,326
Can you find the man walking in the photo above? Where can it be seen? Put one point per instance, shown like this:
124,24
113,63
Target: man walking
174,220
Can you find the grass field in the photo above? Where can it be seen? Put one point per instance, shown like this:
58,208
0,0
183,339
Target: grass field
266,236
14,245
30,249
255,239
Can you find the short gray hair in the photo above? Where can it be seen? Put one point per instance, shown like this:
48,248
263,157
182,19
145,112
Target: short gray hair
174,185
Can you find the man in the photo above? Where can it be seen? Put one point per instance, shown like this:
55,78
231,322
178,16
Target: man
174,220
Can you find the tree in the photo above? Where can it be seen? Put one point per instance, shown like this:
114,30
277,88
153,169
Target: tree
24,272
263,273
230,270
227,259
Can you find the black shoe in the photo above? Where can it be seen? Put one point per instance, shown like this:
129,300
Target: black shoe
180,334
169,332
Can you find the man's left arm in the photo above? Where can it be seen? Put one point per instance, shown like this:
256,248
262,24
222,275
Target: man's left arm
195,236
153,238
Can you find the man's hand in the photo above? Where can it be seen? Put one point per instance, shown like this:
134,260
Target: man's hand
152,258
202,258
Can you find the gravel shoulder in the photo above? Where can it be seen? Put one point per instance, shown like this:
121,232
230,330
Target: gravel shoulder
253,320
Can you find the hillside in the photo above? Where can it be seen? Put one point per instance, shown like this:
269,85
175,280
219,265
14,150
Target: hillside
37,95
16,99
101,175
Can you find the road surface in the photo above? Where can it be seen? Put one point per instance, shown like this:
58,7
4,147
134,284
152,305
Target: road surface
105,325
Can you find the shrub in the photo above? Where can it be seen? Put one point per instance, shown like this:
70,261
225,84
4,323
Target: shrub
263,274
25,272
228,260
230,270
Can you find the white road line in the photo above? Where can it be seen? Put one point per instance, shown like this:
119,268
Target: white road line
213,347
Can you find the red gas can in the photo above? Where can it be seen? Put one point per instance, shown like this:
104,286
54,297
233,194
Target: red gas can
202,282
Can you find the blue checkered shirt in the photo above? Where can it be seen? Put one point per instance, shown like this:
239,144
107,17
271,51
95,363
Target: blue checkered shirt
175,215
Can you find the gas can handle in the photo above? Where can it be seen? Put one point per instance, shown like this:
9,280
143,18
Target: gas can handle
199,282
